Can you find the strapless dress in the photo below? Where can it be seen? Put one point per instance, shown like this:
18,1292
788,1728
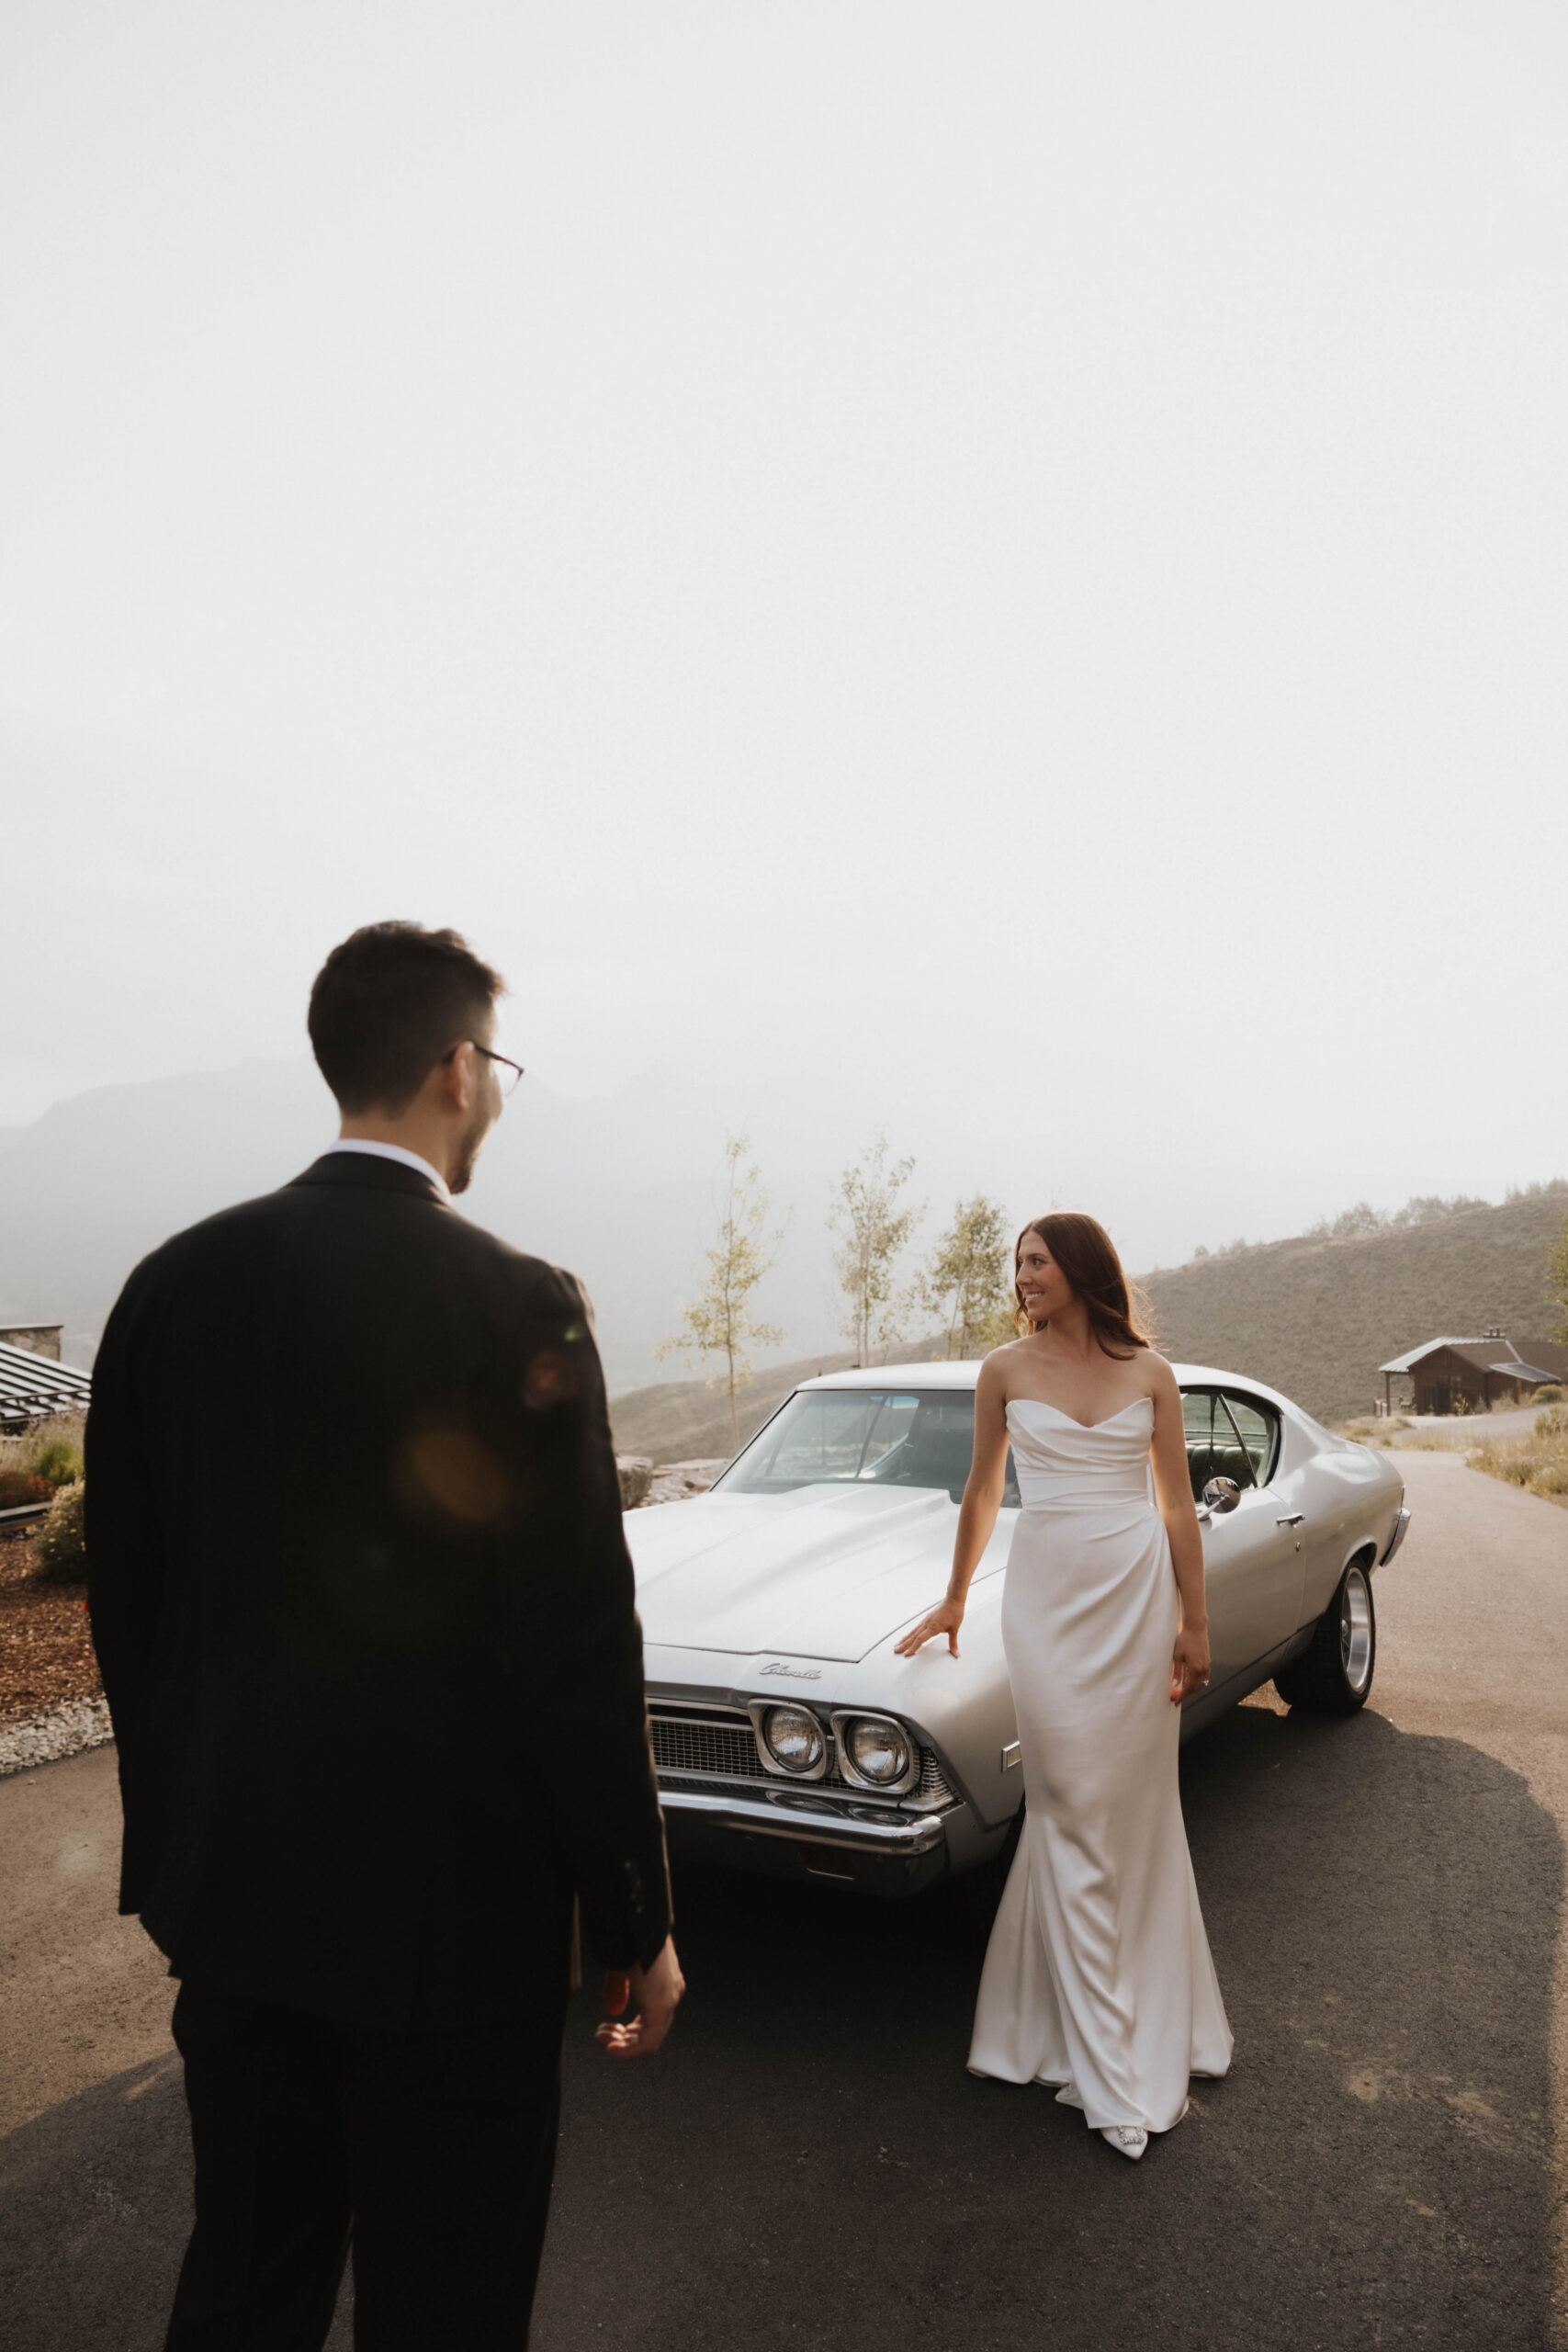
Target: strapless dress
1098,1978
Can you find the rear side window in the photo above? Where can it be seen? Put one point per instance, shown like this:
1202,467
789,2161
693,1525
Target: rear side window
1228,1436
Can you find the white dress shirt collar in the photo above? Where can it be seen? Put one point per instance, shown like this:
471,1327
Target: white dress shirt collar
396,1151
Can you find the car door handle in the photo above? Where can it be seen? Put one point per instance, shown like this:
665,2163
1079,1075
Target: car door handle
1291,1518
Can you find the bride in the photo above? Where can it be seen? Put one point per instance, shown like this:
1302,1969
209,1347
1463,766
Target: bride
1098,1978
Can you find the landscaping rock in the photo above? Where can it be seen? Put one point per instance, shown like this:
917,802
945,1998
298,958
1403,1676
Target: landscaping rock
637,1476
63,1730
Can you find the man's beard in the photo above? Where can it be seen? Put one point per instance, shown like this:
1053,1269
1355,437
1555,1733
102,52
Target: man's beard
467,1152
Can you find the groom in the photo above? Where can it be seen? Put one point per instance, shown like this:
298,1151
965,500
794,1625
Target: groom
364,1610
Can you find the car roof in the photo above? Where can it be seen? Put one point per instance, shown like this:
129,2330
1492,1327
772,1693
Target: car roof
963,1375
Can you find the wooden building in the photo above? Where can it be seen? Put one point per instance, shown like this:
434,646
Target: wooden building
1469,1376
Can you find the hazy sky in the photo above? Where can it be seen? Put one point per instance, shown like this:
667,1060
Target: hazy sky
951,565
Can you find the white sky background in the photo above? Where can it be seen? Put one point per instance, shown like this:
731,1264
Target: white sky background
985,569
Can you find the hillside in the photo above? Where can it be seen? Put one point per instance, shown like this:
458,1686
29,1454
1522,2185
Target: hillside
686,1421
1312,1317
1316,1318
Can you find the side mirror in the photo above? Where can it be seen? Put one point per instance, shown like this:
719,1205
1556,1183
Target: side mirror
1221,1494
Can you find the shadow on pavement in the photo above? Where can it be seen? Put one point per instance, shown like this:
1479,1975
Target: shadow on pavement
810,2166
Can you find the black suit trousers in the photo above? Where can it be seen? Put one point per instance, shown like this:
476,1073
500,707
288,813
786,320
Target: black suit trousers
431,2153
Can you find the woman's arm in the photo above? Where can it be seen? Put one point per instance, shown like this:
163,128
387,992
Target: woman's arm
977,1513
1173,1489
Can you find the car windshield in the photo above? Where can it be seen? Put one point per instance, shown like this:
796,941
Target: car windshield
840,1437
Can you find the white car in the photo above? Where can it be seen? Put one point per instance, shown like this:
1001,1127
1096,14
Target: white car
788,1737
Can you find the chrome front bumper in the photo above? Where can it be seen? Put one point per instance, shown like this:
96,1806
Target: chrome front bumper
786,1833
786,1813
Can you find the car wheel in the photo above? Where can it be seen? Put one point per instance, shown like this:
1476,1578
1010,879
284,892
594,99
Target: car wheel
1334,1674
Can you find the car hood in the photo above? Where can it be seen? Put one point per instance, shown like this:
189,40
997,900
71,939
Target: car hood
824,1572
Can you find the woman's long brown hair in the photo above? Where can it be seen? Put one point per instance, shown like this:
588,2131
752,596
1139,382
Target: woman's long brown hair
1086,1256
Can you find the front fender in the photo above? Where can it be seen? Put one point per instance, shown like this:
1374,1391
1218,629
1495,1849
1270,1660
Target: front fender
962,1707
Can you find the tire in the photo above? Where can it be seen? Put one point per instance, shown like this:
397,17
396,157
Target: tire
1334,1676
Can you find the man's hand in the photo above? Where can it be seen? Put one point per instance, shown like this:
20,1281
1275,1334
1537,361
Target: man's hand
658,1991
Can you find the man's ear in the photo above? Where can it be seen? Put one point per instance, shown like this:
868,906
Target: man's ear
456,1070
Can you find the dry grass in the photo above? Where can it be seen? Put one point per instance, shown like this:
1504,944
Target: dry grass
50,1450
1316,1318
1539,1463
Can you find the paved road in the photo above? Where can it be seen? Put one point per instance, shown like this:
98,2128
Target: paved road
1461,1430
809,2168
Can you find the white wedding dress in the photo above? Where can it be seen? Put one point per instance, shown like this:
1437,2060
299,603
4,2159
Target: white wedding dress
1097,1977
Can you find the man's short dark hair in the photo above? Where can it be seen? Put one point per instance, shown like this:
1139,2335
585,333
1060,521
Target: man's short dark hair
387,1005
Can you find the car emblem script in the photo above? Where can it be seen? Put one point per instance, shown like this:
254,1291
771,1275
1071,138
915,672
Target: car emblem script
796,1673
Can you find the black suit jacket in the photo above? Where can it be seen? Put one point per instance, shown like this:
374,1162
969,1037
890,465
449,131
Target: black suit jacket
365,1610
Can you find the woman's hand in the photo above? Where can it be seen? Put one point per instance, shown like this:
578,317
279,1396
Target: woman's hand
946,1620
1190,1665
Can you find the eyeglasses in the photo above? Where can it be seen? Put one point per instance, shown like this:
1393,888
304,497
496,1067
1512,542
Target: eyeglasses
507,1072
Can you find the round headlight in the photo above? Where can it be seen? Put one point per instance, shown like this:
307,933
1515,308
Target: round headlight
877,1750
793,1738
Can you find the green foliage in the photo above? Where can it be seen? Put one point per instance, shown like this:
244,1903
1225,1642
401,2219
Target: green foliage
59,1462
874,1230
1557,1283
718,1320
51,1450
61,1541
1553,1394
966,1282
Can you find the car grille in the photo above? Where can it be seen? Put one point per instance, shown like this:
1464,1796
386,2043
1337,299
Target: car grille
692,1745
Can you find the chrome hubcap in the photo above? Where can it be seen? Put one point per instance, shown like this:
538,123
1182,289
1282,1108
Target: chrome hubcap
1356,1631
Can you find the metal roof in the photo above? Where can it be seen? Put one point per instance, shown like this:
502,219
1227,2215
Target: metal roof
1403,1364
1487,1355
31,1385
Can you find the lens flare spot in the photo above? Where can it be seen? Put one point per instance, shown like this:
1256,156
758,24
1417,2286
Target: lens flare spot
550,1379
453,1470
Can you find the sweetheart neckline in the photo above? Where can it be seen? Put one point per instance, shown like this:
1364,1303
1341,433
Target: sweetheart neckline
1085,1426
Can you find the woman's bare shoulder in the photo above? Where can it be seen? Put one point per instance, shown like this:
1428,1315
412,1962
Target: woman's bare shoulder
996,1371
1158,1374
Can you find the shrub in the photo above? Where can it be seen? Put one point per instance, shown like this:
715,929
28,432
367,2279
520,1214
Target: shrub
1553,1394
1539,1463
51,1451
60,1460
62,1541
20,1487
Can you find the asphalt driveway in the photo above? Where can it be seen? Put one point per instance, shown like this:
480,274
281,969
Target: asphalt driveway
810,2166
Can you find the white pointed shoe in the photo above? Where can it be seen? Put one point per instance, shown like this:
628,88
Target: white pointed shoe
1127,2139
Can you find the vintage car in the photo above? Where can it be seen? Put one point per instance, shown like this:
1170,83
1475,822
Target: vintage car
788,1737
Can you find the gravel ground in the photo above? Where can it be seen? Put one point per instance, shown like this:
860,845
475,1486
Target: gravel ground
46,1643
51,1702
